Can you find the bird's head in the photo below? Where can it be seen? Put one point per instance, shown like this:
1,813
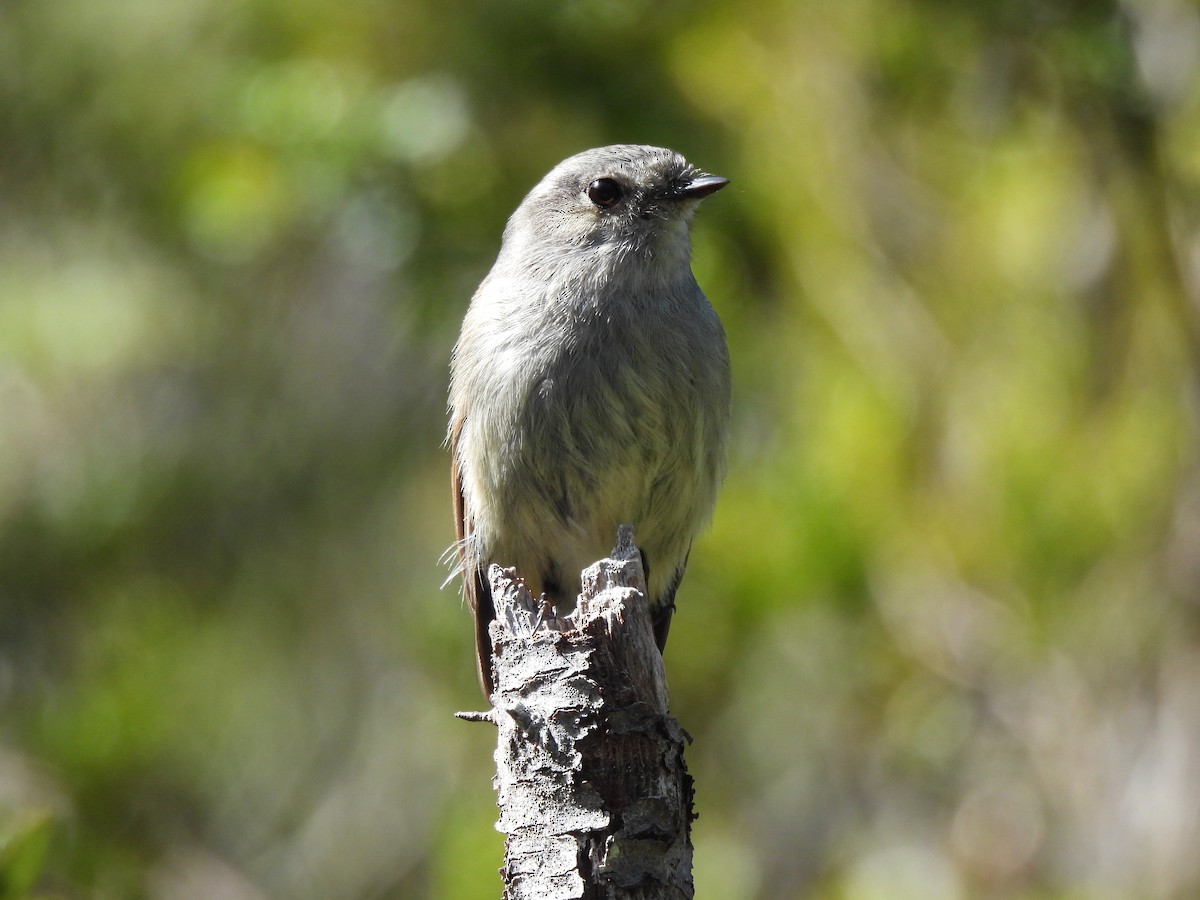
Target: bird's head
626,198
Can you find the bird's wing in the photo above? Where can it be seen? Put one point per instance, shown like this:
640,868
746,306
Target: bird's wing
475,583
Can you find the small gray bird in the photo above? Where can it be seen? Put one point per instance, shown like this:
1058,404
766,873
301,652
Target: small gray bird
589,386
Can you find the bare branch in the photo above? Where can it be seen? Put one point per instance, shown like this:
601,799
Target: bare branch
594,796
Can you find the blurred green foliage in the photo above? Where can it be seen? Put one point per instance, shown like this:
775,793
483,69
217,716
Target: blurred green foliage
943,640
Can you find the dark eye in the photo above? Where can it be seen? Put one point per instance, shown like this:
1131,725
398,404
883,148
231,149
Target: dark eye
605,192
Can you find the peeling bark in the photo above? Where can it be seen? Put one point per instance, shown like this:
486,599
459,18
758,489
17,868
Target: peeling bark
594,796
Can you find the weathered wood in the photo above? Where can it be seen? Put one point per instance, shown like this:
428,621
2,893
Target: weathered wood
594,796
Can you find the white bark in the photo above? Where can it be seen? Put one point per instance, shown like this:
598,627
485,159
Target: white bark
594,796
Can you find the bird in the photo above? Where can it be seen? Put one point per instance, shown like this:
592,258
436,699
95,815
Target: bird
589,386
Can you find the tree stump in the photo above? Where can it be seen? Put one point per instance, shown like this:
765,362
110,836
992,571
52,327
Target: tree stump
595,800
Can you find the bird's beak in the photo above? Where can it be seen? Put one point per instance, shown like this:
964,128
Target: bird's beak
702,186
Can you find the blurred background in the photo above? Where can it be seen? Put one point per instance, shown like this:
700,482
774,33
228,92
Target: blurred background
943,638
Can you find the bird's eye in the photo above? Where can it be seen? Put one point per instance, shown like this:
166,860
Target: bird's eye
605,192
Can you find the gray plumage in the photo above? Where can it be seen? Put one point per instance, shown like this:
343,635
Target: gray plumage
590,385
